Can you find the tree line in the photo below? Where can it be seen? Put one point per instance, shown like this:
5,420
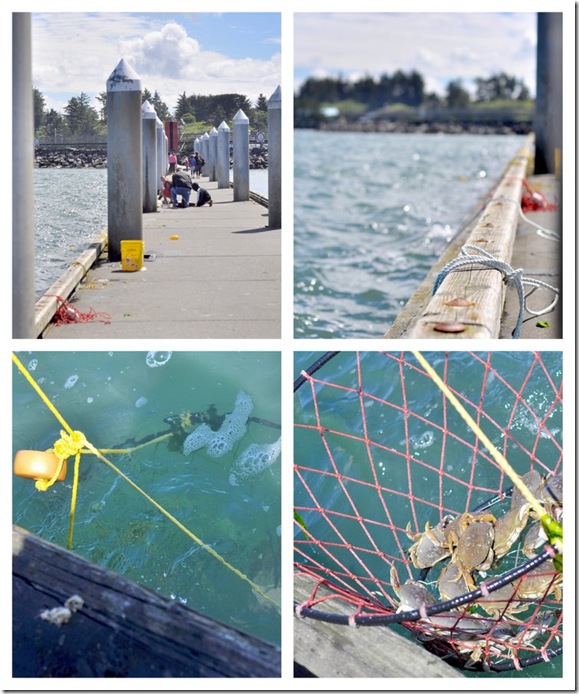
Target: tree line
407,89
80,118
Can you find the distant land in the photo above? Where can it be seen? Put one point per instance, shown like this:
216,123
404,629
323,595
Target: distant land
399,103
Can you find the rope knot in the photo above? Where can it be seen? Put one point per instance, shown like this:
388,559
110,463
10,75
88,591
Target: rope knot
513,277
66,446
69,444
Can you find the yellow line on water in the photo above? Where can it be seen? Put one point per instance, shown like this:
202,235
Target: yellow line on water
494,451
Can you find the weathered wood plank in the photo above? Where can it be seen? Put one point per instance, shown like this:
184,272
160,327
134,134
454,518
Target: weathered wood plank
333,650
123,629
469,302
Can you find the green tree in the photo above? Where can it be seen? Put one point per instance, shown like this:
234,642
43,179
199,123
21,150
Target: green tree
39,105
261,103
456,95
160,107
500,86
102,99
182,107
53,124
81,117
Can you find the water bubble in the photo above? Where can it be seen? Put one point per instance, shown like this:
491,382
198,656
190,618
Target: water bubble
89,399
71,381
32,364
256,458
423,440
141,401
158,358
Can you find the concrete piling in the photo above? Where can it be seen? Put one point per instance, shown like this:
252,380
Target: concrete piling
212,173
223,155
149,160
124,151
240,157
22,178
274,159
548,122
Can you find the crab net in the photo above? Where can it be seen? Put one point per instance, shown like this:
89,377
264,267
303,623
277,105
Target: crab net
403,517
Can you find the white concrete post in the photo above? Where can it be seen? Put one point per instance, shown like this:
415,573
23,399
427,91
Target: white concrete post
274,159
223,155
23,266
205,153
240,157
213,135
150,177
124,173
160,152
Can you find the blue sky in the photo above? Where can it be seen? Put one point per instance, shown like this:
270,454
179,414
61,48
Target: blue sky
199,53
442,46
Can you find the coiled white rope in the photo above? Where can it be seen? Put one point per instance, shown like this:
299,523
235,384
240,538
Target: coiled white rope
511,277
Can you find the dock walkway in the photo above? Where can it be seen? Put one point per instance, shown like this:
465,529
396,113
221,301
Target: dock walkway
220,279
539,257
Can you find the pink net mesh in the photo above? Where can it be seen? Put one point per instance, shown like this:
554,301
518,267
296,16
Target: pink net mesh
401,515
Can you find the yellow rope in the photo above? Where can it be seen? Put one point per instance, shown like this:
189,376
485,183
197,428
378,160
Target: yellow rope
552,527
75,443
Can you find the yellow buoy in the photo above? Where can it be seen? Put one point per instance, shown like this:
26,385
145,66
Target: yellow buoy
174,237
38,465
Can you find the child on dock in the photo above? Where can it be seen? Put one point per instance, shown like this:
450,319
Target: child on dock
203,197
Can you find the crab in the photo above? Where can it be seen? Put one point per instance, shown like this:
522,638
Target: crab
430,546
412,594
535,538
473,545
501,602
505,640
451,583
515,597
509,527
540,582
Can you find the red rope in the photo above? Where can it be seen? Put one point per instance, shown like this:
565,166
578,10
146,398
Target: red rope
534,201
67,313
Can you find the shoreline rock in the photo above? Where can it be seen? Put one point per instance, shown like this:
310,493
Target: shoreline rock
434,127
79,158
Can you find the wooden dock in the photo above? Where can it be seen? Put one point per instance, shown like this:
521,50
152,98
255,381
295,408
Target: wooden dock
473,301
121,630
333,650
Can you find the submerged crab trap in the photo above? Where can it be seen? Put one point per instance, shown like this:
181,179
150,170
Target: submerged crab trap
403,516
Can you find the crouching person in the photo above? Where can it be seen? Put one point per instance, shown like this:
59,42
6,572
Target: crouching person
203,197
181,185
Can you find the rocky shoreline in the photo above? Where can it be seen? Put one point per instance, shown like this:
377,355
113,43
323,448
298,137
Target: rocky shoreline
80,158
386,126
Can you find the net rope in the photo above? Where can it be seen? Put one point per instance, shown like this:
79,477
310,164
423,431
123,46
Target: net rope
380,452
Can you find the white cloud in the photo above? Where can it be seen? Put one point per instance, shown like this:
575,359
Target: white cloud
74,53
438,45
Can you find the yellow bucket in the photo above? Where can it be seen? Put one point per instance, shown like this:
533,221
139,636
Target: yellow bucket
132,255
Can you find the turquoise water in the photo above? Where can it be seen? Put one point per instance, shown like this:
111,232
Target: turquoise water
117,398
394,452
372,213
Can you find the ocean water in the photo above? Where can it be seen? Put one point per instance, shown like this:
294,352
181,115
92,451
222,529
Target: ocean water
119,398
372,212
70,210
377,448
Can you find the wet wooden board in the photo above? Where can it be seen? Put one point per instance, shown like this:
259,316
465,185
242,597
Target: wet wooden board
122,630
334,650
469,301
